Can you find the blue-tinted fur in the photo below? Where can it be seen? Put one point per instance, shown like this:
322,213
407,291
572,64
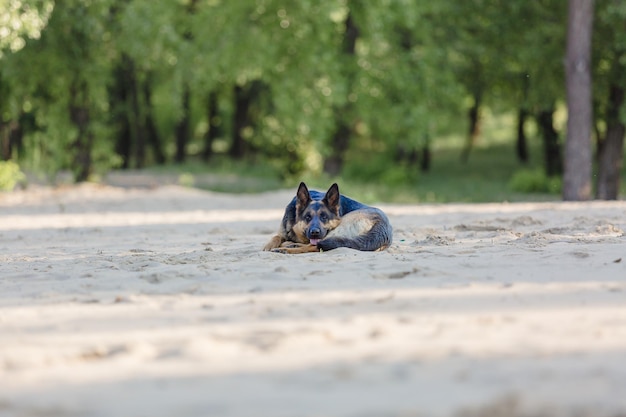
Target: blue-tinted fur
346,205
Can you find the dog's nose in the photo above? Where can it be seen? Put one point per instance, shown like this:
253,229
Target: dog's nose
315,232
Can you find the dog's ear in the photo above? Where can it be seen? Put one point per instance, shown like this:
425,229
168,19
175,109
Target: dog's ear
332,198
303,198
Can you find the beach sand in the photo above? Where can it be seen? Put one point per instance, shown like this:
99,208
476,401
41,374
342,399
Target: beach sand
159,302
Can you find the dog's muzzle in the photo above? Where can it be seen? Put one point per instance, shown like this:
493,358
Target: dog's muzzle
315,234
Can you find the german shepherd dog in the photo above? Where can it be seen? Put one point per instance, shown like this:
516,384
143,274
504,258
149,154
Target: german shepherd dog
315,221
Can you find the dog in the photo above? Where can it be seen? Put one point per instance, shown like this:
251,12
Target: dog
317,222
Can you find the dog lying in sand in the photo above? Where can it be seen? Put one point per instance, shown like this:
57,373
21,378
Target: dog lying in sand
316,221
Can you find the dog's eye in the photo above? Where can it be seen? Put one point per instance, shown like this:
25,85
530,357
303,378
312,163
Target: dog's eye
307,218
323,217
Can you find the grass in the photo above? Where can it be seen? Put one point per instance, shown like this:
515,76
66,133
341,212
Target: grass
492,173
222,175
485,177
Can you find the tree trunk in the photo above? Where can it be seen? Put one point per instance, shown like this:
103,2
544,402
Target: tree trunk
551,147
5,143
425,160
118,103
83,144
522,143
152,134
611,151
474,127
11,135
123,145
340,141
135,114
214,130
578,150
128,114
249,107
182,128
240,122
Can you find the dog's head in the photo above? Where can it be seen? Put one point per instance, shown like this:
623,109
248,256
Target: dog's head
316,217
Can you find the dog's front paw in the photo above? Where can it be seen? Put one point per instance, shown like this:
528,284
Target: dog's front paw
279,250
296,248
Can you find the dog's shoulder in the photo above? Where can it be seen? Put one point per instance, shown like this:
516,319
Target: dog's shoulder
289,219
348,205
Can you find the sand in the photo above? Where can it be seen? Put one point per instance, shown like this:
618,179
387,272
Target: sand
158,302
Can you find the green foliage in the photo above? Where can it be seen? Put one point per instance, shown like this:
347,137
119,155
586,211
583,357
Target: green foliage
415,70
223,176
20,19
535,181
374,168
10,175
67,68
609,56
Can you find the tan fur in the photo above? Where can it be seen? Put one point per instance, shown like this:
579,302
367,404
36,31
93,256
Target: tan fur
299,230
333,224
295,247
274,243
352,225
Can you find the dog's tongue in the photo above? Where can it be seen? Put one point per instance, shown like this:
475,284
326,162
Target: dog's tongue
314,241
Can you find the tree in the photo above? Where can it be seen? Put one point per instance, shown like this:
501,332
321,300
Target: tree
20,20
611,149
340,140
344,87
521,144
214,124
578,152
65,89
610,65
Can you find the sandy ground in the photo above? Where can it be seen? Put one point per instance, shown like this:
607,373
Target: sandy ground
158,302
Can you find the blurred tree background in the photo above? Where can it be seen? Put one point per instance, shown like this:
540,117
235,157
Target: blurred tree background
366,91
